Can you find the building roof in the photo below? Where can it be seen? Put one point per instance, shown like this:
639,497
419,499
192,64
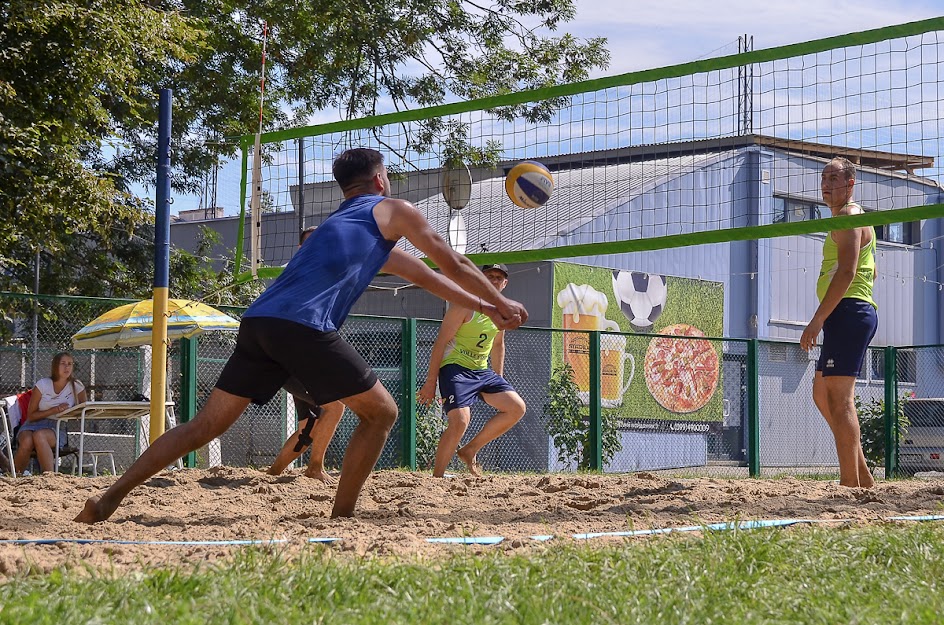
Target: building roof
495,224
590,185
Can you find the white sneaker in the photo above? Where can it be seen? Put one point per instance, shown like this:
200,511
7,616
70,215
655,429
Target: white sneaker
26,473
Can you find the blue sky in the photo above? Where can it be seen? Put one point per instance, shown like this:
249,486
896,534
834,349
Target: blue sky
650,35
655,34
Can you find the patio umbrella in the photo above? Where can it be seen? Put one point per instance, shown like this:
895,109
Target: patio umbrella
130,325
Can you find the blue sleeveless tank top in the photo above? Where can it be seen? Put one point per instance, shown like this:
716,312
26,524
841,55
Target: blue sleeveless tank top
329,272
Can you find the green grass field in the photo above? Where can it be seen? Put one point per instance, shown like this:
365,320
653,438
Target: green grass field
875,574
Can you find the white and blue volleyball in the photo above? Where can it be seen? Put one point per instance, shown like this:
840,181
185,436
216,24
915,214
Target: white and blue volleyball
529,184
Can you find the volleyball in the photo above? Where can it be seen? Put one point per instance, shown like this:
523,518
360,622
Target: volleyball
529,184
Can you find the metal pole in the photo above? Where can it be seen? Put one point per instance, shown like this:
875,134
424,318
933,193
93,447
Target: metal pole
408,404
891,411
595,432
188,388
753,409
301,185
35,316
161,268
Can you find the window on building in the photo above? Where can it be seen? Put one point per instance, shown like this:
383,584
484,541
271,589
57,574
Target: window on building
906,364
906,233
786,209
789,210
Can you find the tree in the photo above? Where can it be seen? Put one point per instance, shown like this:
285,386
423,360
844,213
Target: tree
70,77
78,85
569,427
195,278
871,415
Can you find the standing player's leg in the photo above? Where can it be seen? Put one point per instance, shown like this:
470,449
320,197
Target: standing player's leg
377,412
321,435
458,423
510,408
847,333
835,398
287,454
217,415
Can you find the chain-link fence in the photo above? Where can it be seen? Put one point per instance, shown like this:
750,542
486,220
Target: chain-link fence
688,404
919,389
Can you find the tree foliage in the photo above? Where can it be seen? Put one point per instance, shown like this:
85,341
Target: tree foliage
78,85
871,415
71,77
568,425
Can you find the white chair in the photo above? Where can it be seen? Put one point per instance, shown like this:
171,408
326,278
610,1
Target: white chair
6,438
93,459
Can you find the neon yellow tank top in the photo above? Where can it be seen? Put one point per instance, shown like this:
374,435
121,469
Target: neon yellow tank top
472,344
864,279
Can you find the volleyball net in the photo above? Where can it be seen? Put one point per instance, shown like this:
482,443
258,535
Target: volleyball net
721,149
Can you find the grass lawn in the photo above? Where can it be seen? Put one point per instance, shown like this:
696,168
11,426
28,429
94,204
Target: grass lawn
877,574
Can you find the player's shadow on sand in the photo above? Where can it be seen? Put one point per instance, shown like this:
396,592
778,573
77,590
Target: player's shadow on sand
160,482
668,489
218,481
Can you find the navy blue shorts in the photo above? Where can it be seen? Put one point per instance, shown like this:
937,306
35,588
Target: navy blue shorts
847,332
460,387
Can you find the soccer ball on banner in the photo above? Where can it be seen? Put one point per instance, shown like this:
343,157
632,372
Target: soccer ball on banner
529,184
641,297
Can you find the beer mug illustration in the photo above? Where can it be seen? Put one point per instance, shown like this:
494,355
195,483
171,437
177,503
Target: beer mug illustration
583,309
614,381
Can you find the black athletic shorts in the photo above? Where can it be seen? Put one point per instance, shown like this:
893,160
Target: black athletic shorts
269,351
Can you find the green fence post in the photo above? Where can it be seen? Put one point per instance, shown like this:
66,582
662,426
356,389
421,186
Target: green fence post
753,409
408,402
188,388
595,432
891,411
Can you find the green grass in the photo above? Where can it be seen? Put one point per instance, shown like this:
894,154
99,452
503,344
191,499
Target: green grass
886,574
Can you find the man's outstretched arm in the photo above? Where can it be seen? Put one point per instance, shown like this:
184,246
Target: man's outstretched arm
398,218
414,270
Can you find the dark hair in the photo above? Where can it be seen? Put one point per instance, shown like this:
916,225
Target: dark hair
847,166
356,165
55,365
304,233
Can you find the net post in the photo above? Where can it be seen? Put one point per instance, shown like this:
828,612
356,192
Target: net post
241,228
753,409
301,185
408,401
891,411
188,389
595,431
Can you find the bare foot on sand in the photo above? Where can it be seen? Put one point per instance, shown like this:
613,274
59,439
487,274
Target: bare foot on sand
94,511
470,461
319,474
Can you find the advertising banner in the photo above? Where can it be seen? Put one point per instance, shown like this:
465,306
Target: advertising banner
657,372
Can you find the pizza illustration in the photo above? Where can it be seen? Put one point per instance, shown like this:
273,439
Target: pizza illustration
681,374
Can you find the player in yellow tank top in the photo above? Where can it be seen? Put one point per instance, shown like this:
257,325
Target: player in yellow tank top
459,361
846,316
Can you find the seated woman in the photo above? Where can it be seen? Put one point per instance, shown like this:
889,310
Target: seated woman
51,396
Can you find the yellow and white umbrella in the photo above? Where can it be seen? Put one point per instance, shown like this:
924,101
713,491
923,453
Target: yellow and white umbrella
130,325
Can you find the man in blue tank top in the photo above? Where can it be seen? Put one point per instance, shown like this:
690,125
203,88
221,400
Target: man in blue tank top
291,329
316,424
